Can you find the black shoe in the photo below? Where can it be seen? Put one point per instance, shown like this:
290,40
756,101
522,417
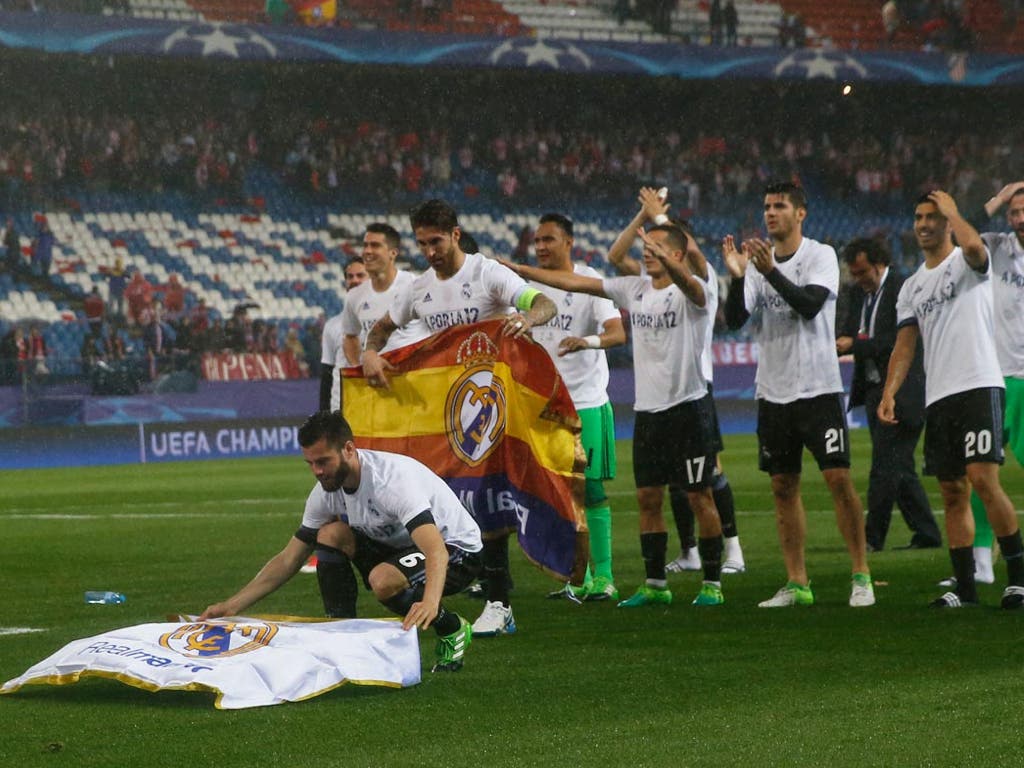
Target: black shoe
920,545
478,591
874,547
1013,598
951,600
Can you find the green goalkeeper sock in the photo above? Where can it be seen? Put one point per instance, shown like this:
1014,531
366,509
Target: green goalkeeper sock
599,520
983,536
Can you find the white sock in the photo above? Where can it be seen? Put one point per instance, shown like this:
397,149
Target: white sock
733,551
983,571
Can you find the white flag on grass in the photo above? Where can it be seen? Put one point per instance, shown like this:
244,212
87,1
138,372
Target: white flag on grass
247,662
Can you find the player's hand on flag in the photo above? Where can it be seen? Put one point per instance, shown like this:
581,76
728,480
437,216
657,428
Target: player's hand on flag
735,261
214,611
375,369
516,325
420,615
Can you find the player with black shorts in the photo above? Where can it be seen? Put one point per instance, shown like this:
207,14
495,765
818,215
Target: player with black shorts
948,304
398,522
787,287
674,436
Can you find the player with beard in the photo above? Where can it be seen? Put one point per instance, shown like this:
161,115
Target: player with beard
402,526
1007,251
459,289
787,286
948,304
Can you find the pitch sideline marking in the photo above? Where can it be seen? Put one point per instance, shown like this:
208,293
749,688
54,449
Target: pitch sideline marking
20,630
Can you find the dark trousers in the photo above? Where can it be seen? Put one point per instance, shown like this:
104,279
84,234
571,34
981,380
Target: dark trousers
894,479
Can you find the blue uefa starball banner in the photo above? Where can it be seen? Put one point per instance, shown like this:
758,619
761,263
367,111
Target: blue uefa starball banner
126,36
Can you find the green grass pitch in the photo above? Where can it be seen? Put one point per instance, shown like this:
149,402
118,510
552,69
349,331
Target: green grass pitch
893,685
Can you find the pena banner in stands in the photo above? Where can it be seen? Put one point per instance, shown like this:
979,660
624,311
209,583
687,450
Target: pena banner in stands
250,366
492,417
125,35
247,662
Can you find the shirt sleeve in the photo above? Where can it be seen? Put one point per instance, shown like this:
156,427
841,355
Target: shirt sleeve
604,311
401,309
318,511
349,319
753,284
620,289
501,282
407,503
904,307
823,269
331,342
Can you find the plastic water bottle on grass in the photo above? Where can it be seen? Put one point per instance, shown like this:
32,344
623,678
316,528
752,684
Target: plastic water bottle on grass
100,597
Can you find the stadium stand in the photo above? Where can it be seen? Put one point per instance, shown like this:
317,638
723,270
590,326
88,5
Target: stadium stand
170,10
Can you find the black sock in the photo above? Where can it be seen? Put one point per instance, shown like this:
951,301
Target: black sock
722,493
401,603
683,516
495,561
652,548
711,557
1013,553
446,622
337,582
963,570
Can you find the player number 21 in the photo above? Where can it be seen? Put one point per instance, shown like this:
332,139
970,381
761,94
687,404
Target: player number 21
835,440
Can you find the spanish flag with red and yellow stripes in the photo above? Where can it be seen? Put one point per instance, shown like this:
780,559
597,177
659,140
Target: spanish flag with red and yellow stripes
491,416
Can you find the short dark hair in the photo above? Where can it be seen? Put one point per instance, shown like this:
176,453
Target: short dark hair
468,243
394,240
676,236
330,425
794,192
1018,191
875,251
357,259
924,198
564,223
434,213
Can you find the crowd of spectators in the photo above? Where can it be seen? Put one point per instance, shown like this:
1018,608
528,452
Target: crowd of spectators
165,332
50,148
709,172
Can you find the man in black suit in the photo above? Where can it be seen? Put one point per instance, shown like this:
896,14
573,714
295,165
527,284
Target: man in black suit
869,332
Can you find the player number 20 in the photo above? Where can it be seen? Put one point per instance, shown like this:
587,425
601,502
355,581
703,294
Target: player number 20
976,443
412,559
835,440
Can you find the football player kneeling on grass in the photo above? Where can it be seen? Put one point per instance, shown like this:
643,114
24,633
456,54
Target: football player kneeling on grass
398,522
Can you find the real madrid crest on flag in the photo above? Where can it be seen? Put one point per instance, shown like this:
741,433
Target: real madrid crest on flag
209,639
475,406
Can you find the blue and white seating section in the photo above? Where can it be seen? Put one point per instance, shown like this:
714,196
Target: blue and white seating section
230,258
